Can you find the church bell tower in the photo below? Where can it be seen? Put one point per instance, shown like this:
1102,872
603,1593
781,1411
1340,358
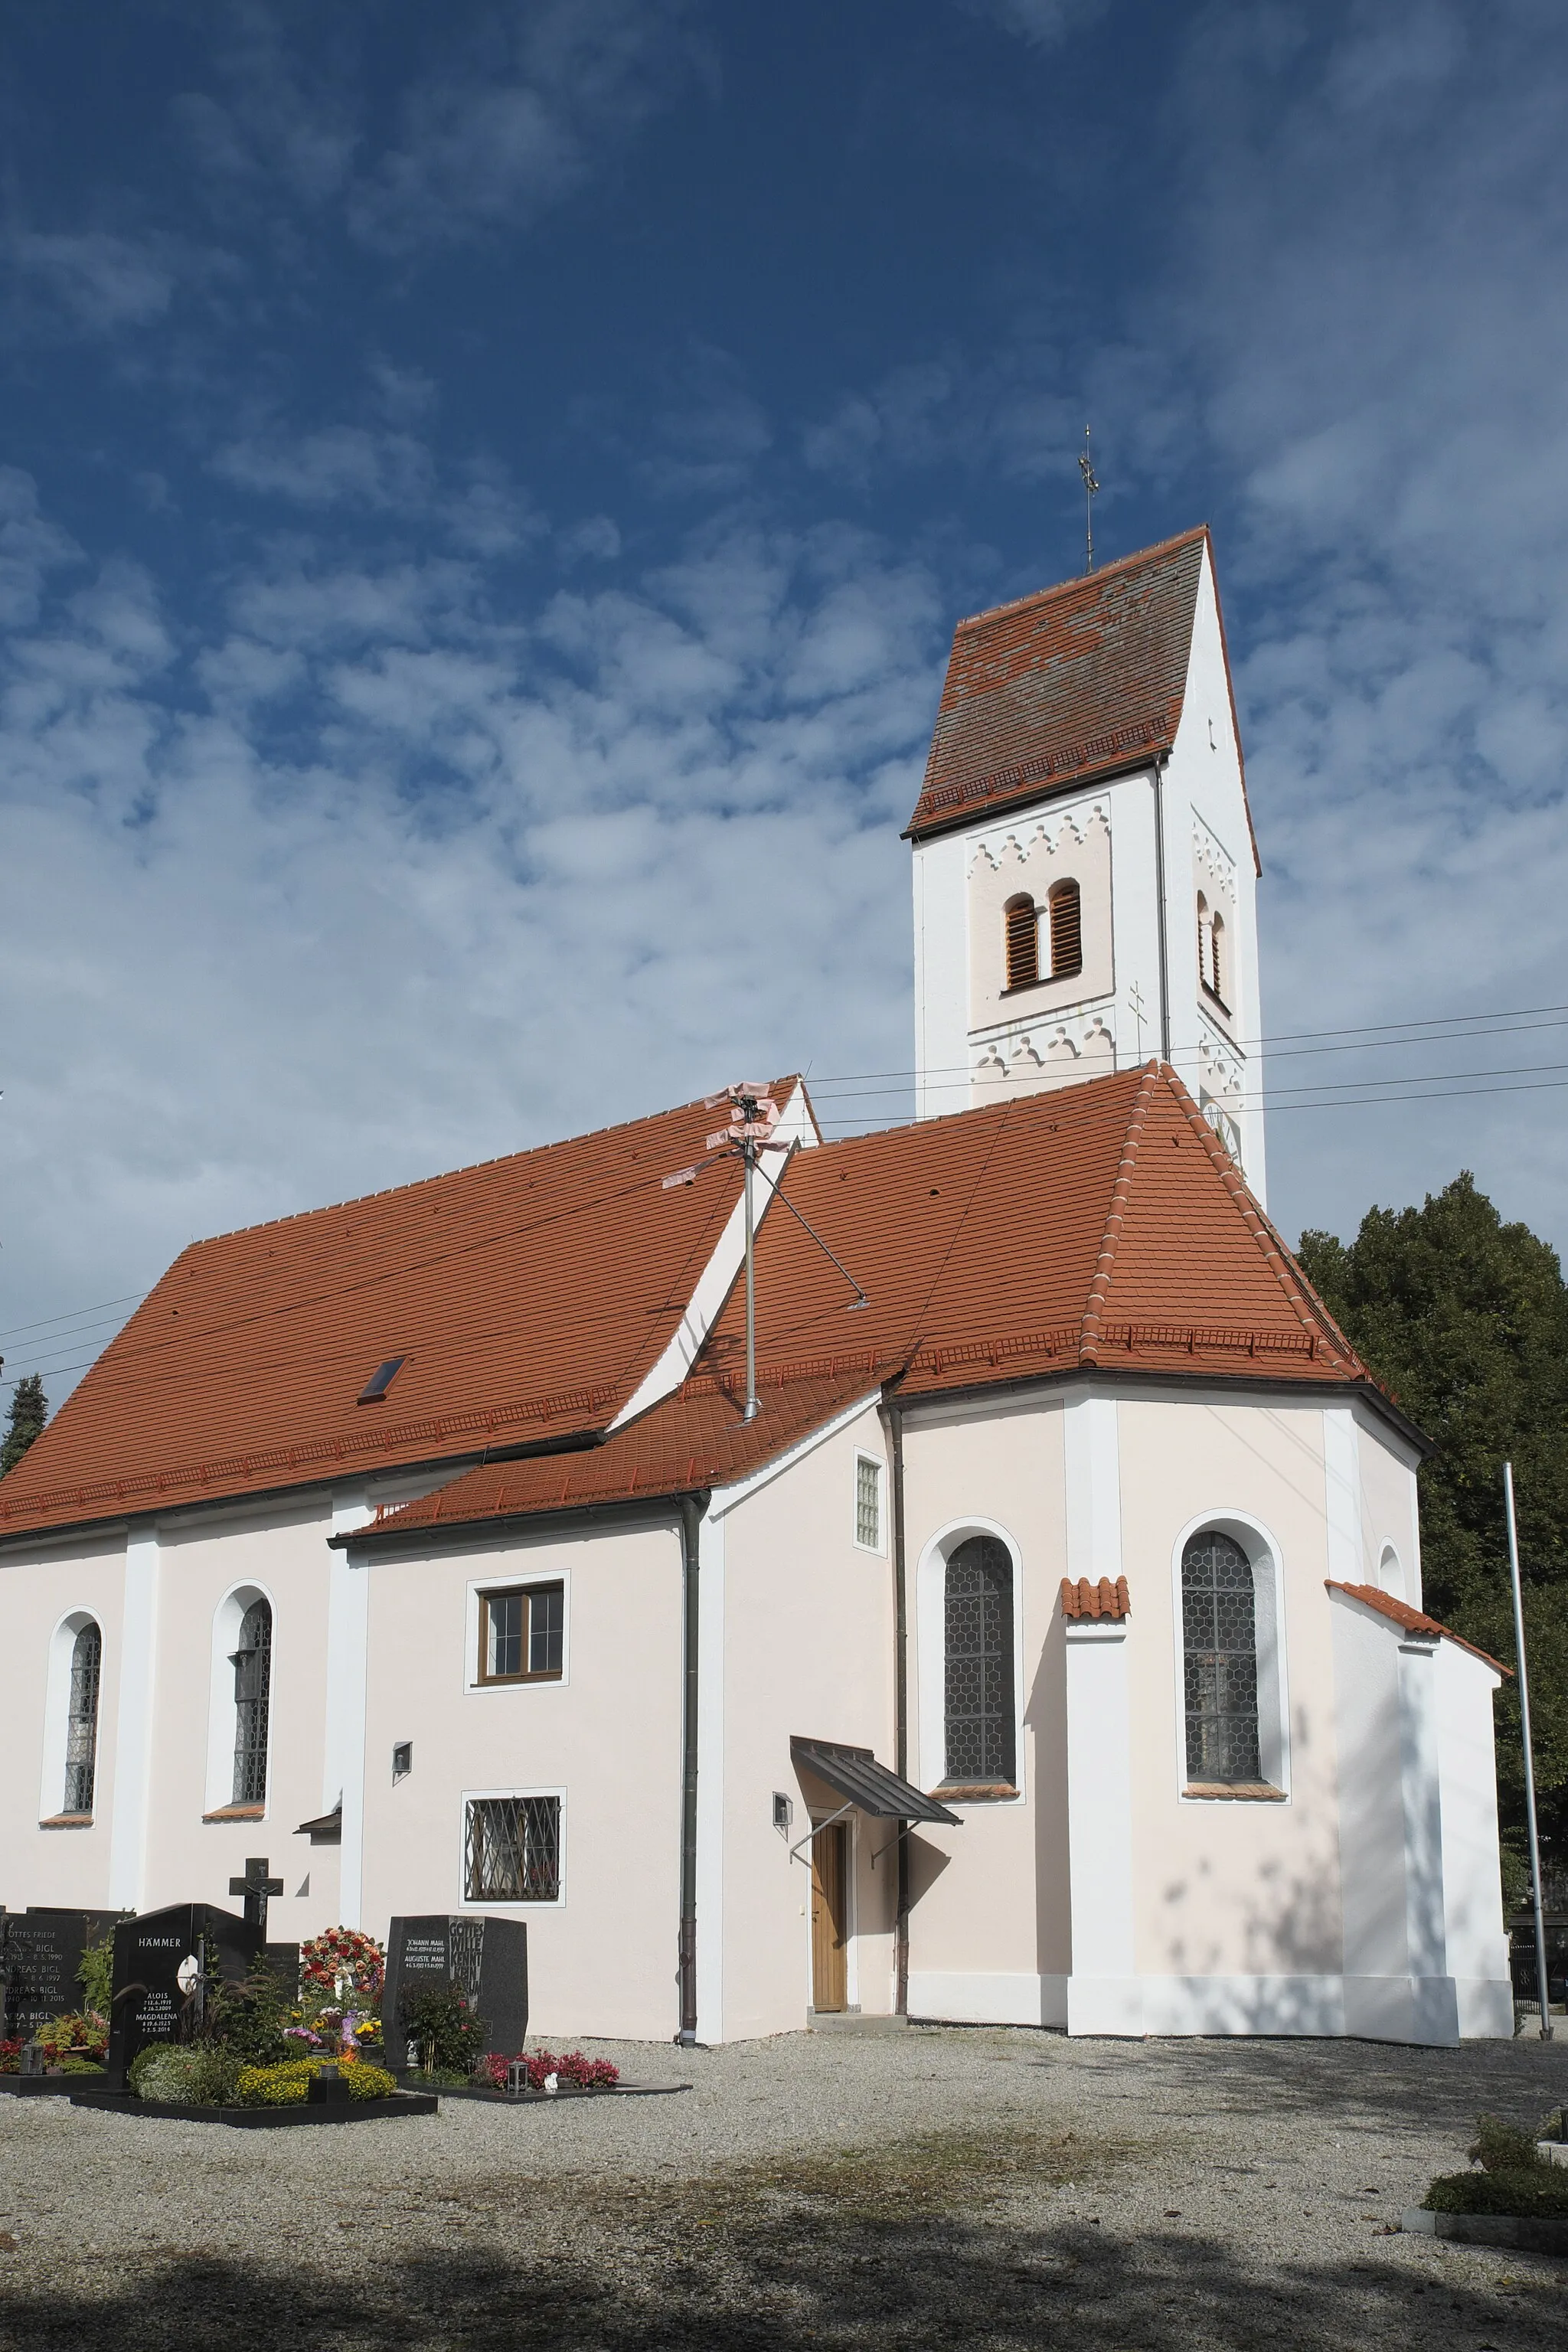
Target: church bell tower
1085,868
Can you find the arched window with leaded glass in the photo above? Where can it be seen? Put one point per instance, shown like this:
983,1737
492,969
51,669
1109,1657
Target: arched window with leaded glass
252,1663
1219,1640
81,1719
980,1729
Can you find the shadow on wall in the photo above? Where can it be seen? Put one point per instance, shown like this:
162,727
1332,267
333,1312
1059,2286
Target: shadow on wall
1046,1717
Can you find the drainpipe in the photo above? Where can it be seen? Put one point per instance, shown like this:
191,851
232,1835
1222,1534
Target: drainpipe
901,1714
690,1507
1159,892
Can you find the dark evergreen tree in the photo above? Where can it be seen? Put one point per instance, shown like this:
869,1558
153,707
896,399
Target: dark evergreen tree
29,1411
1466,1320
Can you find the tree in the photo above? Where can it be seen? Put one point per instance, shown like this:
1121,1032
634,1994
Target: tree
29,1411
1466,1320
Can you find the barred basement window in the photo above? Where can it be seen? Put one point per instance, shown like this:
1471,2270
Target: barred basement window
1022,918
1067,930
252,1663
81,1721
512,1850
522,1634
868,1503
1219,1637
977,1666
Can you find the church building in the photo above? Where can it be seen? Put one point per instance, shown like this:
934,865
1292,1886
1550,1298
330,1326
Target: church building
1016,1619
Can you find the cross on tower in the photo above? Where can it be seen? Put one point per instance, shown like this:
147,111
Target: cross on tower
1136,1004
255,1887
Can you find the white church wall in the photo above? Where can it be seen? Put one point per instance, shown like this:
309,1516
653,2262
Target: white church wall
1475,1938
210,1565
989,1925
607,1738
1389,1526
41,1589
1232,1893
807,1635
1207,839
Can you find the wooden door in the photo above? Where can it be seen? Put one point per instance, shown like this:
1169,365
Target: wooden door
830,1917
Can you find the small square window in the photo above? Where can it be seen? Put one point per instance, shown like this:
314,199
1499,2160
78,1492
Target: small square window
522,1634
512,1850
868,1503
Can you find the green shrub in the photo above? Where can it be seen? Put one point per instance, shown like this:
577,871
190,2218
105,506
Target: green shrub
1504,2147
248,2018
1531,2196
1513,2177
288,2086
451,2035
185,2074
96,1975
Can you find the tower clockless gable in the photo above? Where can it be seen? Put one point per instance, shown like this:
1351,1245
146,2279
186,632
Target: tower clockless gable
1085,873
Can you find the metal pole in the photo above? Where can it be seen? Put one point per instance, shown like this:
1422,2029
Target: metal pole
1542,1987
749,1154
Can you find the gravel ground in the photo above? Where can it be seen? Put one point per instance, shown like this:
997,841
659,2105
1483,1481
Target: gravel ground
931,2189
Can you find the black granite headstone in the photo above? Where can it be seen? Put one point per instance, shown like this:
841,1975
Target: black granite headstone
40,1952
487,1959
150,2002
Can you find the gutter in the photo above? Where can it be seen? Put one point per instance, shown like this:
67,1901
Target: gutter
900,1711
689,1508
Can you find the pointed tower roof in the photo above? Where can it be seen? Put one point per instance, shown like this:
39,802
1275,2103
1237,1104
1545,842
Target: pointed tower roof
1072,683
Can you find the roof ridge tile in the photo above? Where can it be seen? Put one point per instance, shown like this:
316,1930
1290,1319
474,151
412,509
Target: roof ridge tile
1090,1328
1275,1255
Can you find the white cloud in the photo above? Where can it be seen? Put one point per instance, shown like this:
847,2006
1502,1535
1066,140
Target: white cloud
374,884
96,282
1041,23
550,90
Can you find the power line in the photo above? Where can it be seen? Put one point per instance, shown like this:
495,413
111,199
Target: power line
127,1298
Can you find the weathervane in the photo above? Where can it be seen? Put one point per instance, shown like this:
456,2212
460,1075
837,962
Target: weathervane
1090,492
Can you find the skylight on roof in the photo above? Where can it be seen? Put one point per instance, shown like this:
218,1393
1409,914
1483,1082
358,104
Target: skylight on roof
381,1380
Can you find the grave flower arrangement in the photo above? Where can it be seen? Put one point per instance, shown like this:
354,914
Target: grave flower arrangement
77,2042
1509,2177
342,1969
288,2086
580,2072
11,2055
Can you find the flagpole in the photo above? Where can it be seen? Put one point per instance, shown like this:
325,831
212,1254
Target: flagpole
1542,1987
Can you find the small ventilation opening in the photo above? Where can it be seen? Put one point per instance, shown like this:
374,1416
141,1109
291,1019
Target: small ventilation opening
381,1380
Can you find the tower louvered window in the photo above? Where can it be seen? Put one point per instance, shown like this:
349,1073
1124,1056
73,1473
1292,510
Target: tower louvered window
1023,920
1219,1637
252,1663
1216,982
82,1722
1067,930
978,1664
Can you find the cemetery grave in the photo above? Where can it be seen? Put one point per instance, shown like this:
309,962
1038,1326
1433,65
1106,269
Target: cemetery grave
50,2035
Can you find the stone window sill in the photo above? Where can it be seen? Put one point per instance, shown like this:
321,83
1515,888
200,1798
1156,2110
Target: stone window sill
67,1822
1045,980
236,1813
1251,1792
973,1792
1215,999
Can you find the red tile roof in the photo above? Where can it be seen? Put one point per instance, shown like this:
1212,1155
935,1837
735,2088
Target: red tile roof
528,1295
1103,1600
697,1438
1412,1621
1101,1226
1072,683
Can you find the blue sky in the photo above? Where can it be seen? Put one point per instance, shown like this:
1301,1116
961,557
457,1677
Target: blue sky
484,496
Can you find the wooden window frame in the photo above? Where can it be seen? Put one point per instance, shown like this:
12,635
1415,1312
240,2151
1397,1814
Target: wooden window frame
1014,927
487,1595
1060,896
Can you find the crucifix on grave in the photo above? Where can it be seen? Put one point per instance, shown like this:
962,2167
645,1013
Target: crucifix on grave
255,1888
